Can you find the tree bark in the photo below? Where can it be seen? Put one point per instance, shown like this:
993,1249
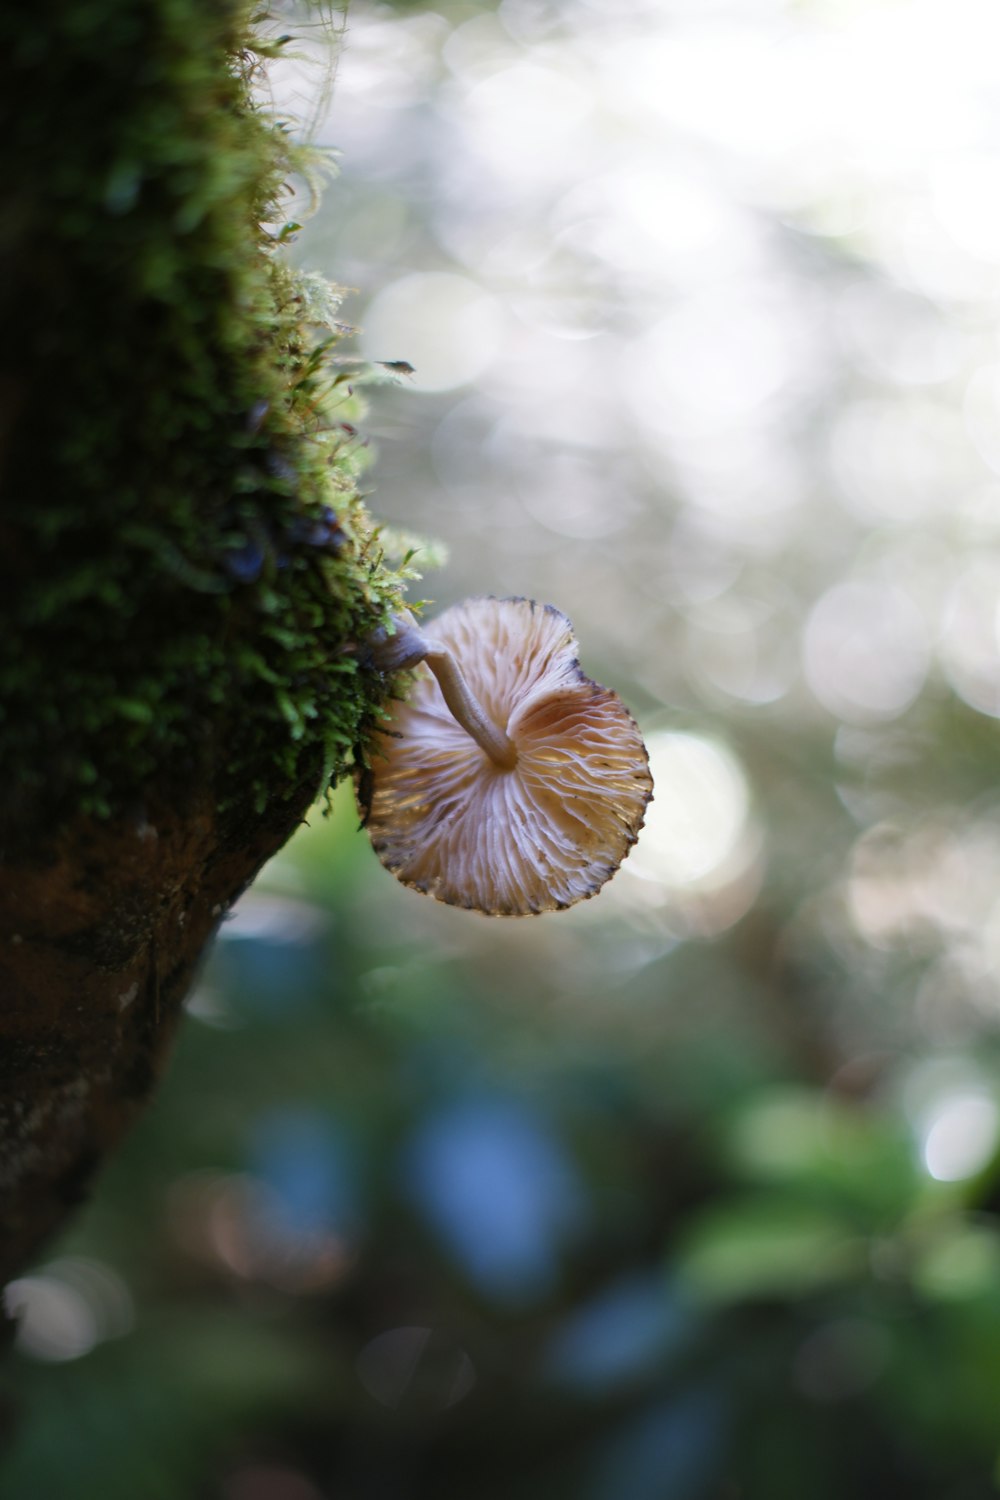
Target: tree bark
104,930
186,569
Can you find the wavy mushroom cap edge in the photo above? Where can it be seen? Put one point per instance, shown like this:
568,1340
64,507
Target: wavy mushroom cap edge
546,829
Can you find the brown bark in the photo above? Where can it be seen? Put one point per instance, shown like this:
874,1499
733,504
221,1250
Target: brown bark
101,932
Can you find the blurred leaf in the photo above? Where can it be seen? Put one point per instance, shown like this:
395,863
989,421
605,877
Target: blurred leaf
765,1247
826,1146
961,1262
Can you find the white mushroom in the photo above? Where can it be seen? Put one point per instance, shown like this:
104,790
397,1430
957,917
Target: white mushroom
506,781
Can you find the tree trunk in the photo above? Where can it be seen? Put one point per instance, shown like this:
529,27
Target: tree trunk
104,929
185,566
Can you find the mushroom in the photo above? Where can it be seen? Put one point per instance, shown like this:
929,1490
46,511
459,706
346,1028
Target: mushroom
507,781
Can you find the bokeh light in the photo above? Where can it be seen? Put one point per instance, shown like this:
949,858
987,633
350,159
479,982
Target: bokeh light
448,327
961,1136
67,1308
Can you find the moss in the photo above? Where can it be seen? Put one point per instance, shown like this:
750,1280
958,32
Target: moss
185,565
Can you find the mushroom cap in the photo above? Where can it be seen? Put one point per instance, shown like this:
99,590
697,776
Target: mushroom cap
535,837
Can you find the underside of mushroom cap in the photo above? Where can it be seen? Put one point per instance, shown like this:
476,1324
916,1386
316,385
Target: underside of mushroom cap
532,837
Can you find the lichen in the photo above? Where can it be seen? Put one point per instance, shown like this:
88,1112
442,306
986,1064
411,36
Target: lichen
186,566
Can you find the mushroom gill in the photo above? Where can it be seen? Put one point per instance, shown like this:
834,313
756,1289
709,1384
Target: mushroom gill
530,812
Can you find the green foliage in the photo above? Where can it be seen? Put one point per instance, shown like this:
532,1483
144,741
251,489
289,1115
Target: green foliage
187,567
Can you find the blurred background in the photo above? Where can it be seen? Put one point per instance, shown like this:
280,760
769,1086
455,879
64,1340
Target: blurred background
691,1191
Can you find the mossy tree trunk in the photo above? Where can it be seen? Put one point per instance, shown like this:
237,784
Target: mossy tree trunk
185,567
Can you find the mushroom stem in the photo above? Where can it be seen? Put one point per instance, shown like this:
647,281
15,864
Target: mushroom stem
466,709
407,646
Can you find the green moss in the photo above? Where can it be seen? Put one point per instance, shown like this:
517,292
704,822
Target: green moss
185,565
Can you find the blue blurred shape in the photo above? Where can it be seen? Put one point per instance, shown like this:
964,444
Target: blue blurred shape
633,1327
670,1451
310,1165
271,957
245,563
496,1185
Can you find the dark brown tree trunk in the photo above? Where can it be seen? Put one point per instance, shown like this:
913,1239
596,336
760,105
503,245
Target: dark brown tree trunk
103,931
